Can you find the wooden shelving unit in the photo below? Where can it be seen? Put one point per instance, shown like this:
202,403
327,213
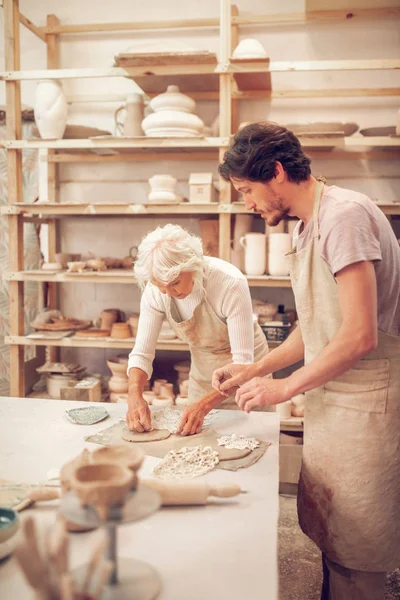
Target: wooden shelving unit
224,79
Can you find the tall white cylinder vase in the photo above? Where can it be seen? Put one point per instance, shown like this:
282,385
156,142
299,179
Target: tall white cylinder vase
51,110
279,245
255,255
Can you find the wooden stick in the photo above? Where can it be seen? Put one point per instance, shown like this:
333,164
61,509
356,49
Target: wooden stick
105,571
93,563
32,27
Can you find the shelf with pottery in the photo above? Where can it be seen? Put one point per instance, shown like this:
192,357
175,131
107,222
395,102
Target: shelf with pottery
118,276
134,210
198,143
77,342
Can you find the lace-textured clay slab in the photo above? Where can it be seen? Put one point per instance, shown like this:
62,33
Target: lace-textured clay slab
238,442
170,417
156,435
187,463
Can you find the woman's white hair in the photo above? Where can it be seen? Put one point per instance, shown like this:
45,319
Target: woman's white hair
165,253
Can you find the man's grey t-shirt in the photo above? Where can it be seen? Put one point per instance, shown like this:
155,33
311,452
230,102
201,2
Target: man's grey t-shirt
354,229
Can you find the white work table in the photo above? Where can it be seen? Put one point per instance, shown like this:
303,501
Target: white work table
222,551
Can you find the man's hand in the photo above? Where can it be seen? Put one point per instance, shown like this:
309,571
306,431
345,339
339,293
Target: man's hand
260,391
192,419
138,417
231,376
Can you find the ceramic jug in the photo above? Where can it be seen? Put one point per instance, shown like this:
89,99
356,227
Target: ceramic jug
255,257
134,107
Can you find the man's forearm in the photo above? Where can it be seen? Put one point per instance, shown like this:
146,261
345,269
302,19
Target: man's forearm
344,350
211,400
136,383
288,353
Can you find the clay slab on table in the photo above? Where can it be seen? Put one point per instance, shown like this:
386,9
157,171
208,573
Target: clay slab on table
156,435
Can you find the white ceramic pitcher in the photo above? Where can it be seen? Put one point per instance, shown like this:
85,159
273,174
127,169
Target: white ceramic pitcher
134,107
255,256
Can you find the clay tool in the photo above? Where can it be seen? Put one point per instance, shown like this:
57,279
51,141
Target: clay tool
190,492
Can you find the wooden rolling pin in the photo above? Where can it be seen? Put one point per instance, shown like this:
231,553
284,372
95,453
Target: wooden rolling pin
175,493
172,493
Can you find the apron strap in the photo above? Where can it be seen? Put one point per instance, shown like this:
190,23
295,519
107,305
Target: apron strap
318,193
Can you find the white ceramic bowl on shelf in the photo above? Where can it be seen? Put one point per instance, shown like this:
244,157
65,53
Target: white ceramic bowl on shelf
172,123
249,48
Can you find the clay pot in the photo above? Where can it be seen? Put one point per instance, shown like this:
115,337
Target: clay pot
210,236
117,366
131,457
167,390
129,261
279,246
172,99
157,386
173,116
76,266
96,264
184,387
118,384
182,401
149,397
162,402
102,486
54,384
108,317
120,331
162,188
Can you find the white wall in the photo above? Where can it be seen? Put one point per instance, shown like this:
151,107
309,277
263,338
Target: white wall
127,181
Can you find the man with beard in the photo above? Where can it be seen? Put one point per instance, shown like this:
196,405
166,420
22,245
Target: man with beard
345,272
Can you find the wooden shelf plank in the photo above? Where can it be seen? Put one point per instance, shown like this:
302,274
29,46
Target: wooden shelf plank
197,144
141,143
77,342
230,67
109,343
292,424
124,276
269,281
137,210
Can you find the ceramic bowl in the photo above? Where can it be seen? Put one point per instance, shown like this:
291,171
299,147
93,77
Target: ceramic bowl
182,401
117,366
162,402
9,525
102,485
249,48
172,123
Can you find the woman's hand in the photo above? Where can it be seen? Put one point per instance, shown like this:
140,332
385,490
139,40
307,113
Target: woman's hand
192,419
231,376
261,391
138,417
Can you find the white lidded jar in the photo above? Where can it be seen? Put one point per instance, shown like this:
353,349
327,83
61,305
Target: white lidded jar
51,110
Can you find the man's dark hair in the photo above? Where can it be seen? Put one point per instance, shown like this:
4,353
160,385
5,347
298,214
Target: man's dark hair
257,147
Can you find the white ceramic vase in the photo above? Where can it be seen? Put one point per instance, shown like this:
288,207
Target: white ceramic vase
162,188
255,255
51,110
279,245
249,48
173,116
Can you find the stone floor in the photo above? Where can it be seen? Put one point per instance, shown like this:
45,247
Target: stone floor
300,560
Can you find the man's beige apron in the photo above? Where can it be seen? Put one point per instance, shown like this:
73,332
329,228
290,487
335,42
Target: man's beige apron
349,489
209,344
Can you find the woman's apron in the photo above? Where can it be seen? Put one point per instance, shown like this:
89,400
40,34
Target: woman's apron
209,344
349,489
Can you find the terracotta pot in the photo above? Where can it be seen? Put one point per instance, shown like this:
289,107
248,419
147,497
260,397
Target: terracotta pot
149,397
167,390
102,486
131,457
119,384
108,317
157,386
120,331
162,402
54,384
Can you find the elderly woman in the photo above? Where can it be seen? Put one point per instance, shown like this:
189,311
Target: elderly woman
207,303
